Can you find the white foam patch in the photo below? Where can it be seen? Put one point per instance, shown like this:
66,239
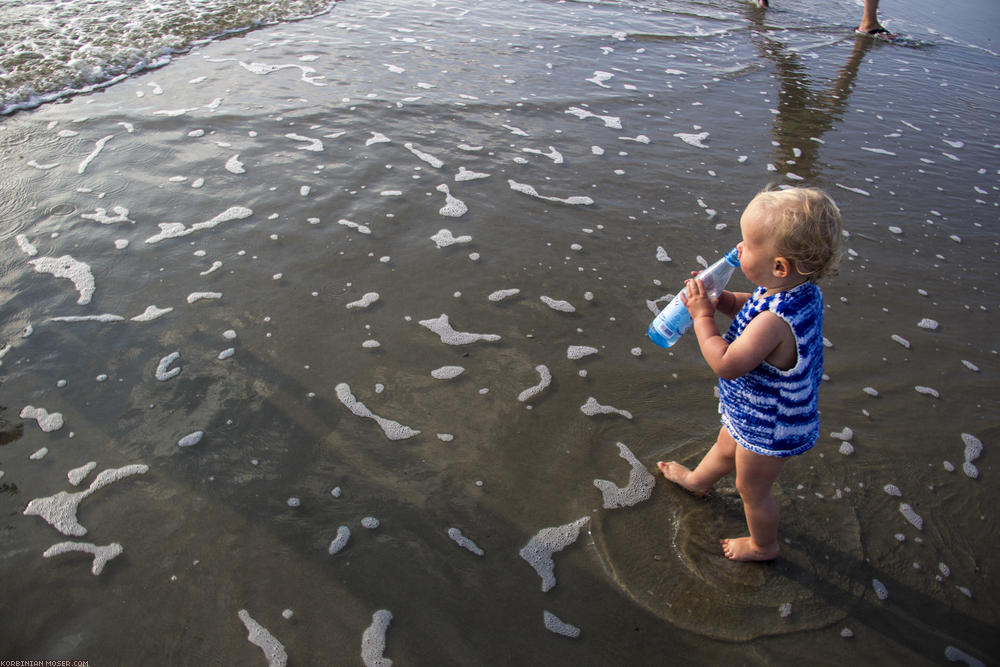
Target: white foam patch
378,138
77,475
881,592
696,140
600,77
973,447
580,351
592,408
426,157
101,554
46,421
445,238
59,510
911,516
234,166
544,382
98,147
539,550
613,122
105,317
340,541
366,300
392,429
163,370
847,433
558,304
71,269
42,167
553,624
311,144
191,439
639,488
25,245
466,175
257,634
955,654
463,541
442,327
447,372
453,207
101,215
353,225
151,313
858,191
971,366
172,230
552,154
502,294
524,188
373,640
199,296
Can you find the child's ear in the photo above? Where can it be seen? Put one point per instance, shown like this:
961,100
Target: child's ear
782,267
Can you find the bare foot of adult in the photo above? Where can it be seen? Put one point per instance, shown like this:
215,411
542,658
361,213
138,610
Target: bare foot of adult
680,476
742,549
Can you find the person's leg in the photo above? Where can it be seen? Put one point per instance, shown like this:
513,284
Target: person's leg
755,475
718,462
869,19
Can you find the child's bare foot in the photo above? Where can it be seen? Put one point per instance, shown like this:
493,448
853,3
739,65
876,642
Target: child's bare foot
741,548
679,475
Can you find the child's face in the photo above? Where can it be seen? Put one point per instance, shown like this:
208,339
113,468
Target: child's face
756,250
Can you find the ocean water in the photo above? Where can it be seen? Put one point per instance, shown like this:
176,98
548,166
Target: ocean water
324,342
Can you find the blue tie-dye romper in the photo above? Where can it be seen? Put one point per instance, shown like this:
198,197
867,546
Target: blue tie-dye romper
771,411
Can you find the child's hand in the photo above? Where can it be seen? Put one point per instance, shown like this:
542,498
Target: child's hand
695,297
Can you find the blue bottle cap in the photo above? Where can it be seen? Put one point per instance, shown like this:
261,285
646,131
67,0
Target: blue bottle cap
733,257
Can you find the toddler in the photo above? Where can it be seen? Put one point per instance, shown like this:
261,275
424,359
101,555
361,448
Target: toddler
770,362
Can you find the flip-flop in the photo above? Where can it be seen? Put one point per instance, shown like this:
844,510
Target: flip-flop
877,33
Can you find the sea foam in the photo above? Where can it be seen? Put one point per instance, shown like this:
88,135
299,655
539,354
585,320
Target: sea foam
392,429
539,550
257,634
59,510
640,484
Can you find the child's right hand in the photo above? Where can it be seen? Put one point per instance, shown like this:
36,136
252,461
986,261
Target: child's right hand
696,299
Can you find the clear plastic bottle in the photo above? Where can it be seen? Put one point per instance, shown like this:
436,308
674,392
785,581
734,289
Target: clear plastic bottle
673,321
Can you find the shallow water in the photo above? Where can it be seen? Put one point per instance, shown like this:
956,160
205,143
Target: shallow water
264,187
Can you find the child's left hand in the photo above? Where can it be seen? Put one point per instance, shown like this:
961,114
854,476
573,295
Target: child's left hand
695,297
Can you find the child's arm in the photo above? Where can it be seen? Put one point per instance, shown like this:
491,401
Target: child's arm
767,336
729,303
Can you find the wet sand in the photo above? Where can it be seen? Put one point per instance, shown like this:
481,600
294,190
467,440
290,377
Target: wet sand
267,215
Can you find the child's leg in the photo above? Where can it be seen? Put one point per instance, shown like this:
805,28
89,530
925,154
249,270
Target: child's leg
755,475
718,462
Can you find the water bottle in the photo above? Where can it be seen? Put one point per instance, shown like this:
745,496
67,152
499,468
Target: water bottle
673,321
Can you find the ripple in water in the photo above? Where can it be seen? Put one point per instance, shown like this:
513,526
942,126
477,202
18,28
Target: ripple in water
665,554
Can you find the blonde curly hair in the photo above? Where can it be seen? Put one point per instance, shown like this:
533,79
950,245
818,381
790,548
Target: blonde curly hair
807,228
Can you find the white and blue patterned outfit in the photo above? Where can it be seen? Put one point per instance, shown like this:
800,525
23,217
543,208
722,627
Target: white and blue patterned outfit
770,411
